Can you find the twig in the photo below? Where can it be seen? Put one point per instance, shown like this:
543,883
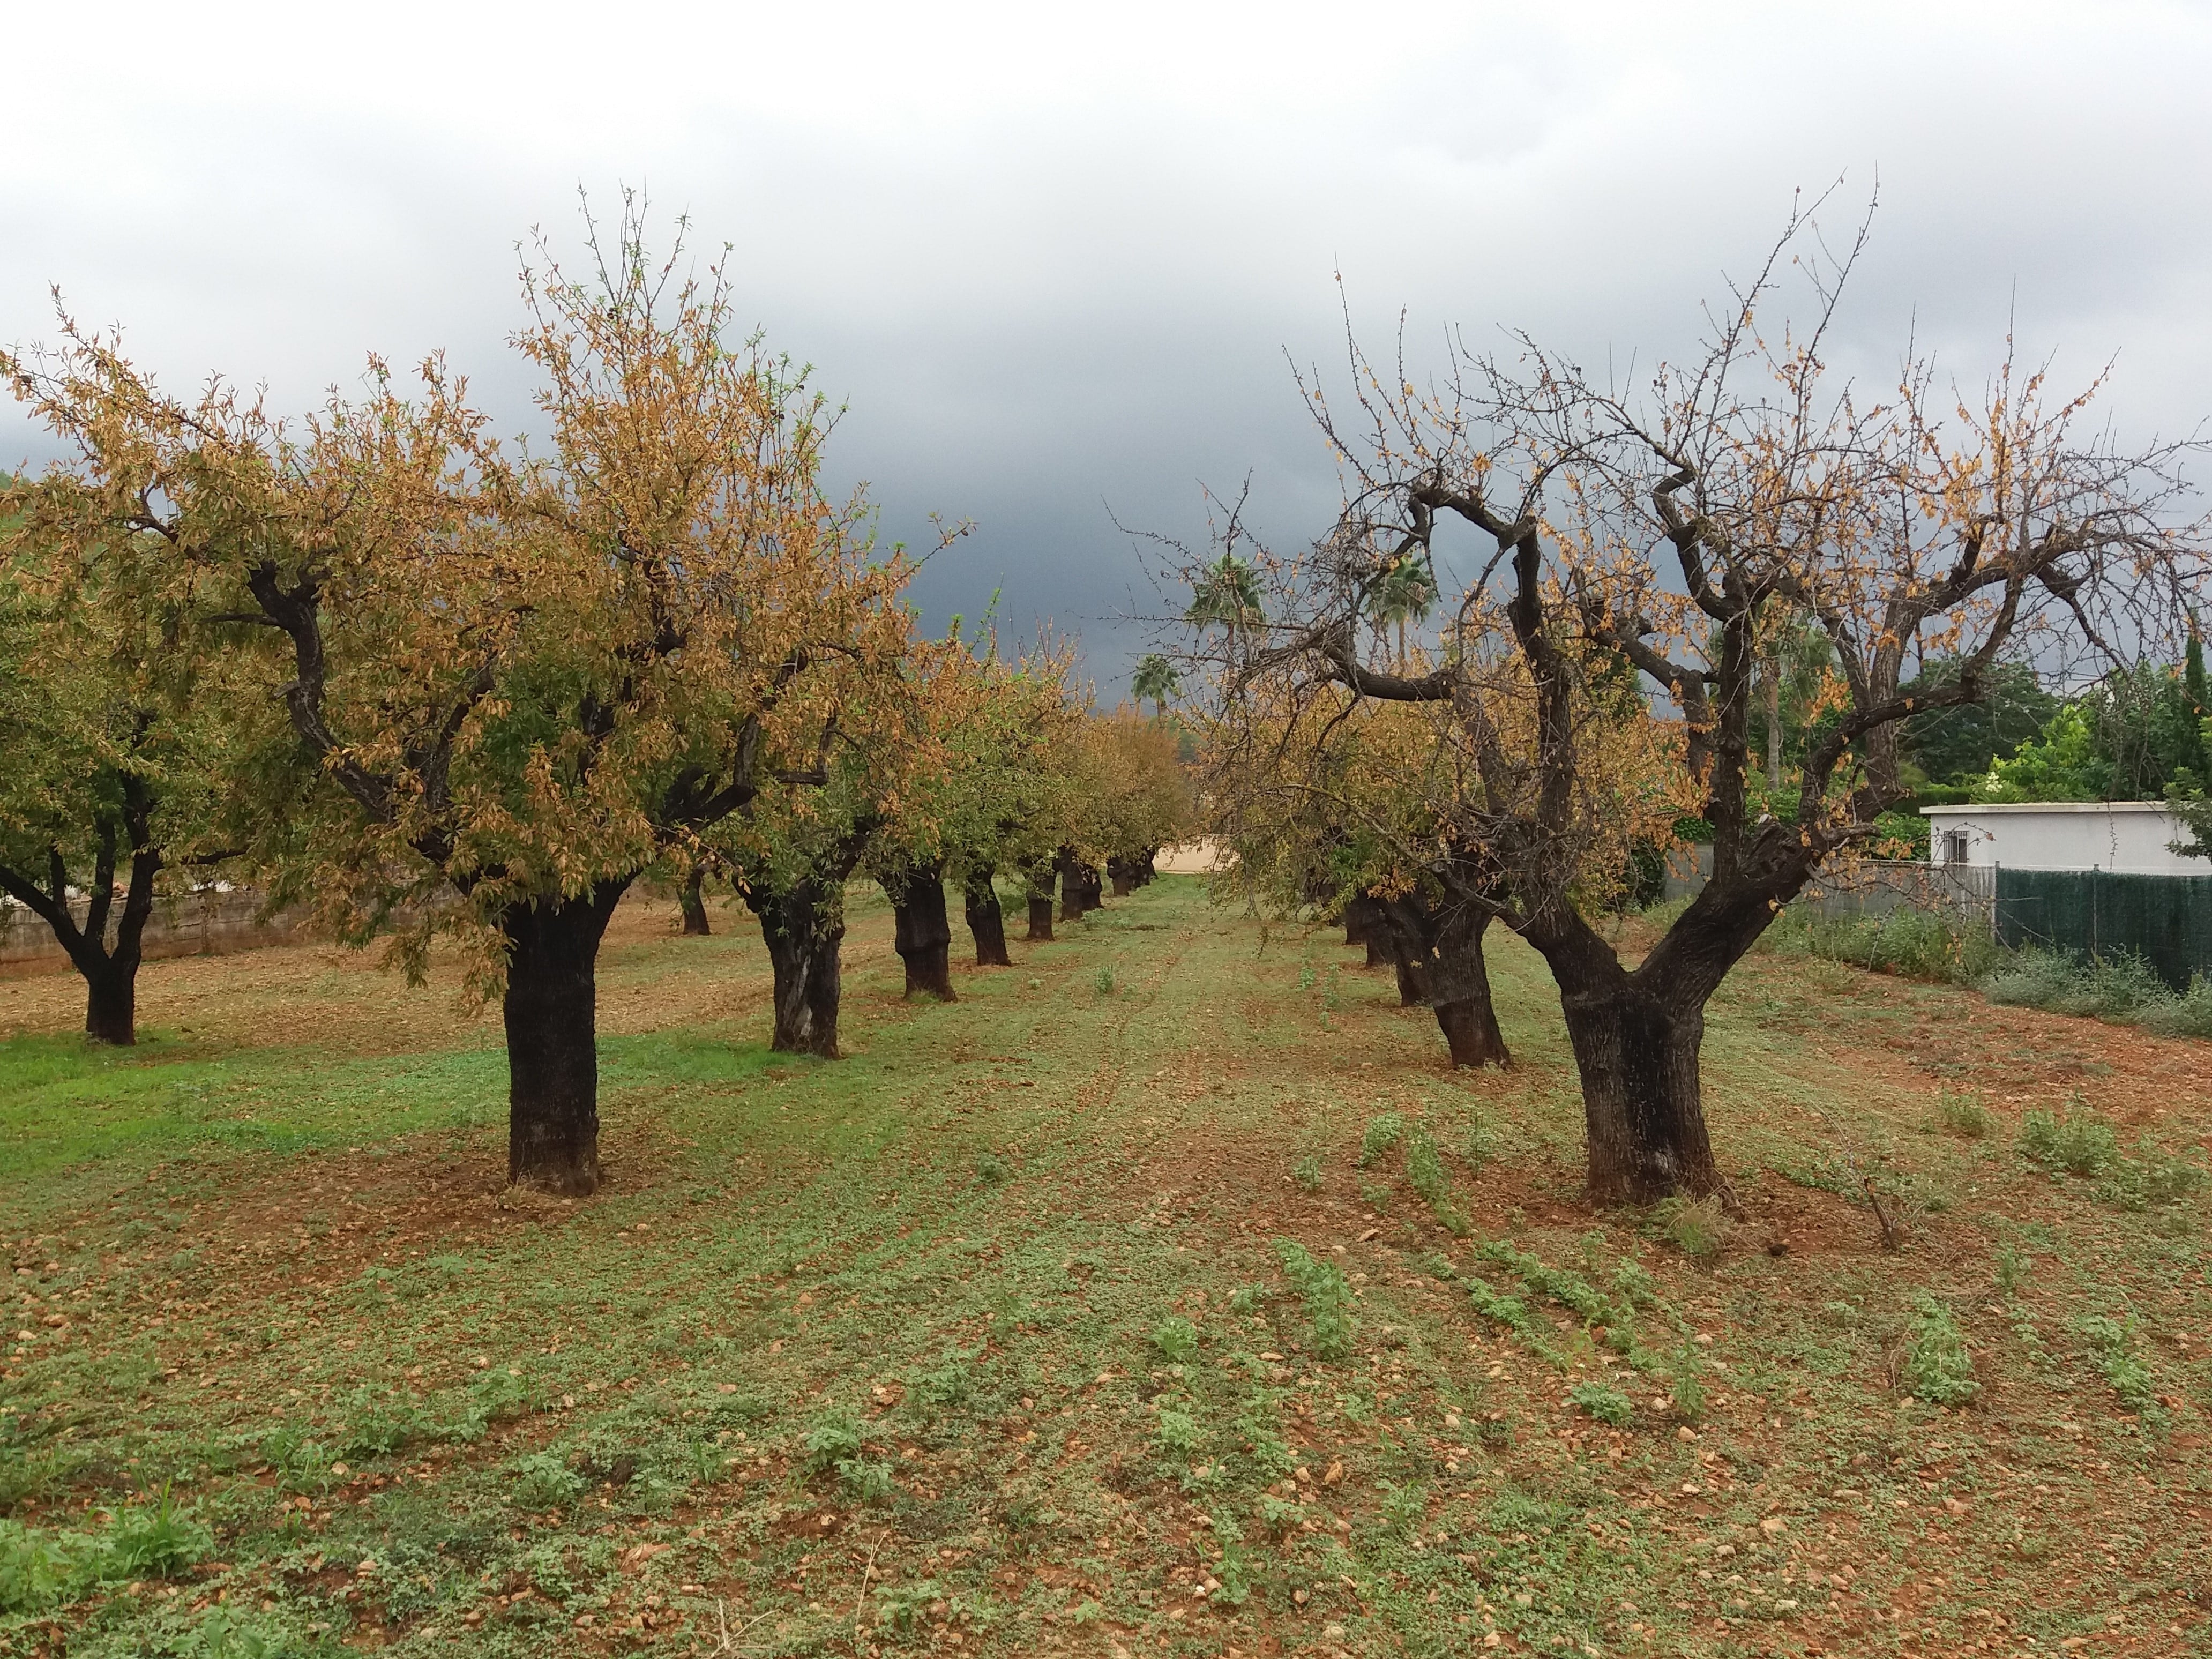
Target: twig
867,1573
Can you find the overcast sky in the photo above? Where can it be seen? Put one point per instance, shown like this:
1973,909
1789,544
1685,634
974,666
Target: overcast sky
1053,258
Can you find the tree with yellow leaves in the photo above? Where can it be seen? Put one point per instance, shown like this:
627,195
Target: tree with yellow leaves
513,681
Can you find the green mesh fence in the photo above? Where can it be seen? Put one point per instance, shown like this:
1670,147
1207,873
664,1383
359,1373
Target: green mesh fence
2165,920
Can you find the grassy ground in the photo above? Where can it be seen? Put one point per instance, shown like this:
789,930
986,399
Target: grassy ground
1165,1295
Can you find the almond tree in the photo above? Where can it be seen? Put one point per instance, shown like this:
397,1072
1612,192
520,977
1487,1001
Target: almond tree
513,681
1667,538
112,729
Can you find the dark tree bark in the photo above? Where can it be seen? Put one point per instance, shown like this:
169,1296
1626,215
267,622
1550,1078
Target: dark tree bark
1118,870
110,972
691,897
1405,924
1037,883
802,925
1071,906
1436,948
1093,888
986,922
1642,1104
1458,991
551,1009
921,933
1365,924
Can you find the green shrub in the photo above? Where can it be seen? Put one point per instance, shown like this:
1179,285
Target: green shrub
1962,1114
1179,1432
1688,1388
902,1607
1177,1338
1603,1402
950,1384
2081,1143
543,1481
1425,1170
1327,1295
1938,1367
1508,1311
1307,1173
2112,1342
38,1568
2150,1180
1382,1134
829,1442
866,1479
2187,1015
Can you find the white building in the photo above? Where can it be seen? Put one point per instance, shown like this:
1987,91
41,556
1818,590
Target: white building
2128,837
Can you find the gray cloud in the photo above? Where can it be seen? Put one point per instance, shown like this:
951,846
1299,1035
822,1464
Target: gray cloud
1055,263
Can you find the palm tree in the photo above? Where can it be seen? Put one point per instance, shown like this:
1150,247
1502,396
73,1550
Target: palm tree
1228,592
1155,682
1406,592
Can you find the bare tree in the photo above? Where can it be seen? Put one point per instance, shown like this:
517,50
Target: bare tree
1649,547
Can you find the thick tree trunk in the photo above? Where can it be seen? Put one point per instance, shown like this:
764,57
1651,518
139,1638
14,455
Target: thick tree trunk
1123,876
921,932
551,1009
1094,890
111,974
111,1011
1040,918
986,922
803,927
1458,991
1642,1101
693,900
1071,888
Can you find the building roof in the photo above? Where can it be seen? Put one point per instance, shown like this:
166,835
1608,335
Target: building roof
1977,808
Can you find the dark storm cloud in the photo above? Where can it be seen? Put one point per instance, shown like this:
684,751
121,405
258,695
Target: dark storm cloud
1055,264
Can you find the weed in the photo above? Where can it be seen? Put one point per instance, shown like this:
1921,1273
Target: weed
1474,1148
1375,1197
902,1607
543,1481
868,1481
1381,1136
1102,981
1938,1367
1508,1311
1307,1173
1698,1230
1687,1389
1234,1567
2152,1179
37,1569
950,1385
1604,1402
1245,1299
1425,1170
1177,1339
832,1441
160,1542
2014,1266
2113,1341
991,1170
1962,1114
1327,1295
2081,1143
1178,1432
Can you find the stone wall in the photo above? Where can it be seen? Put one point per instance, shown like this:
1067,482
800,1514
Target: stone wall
206,923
